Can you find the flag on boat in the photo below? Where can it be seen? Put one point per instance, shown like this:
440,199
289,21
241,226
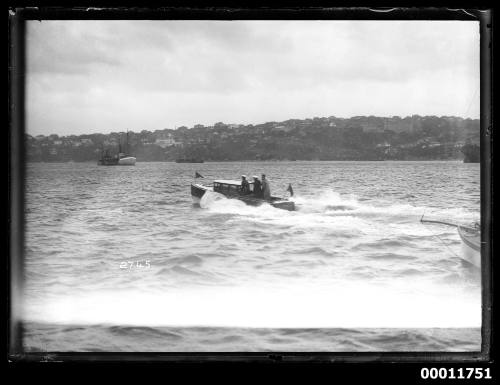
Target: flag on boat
290,189
198,175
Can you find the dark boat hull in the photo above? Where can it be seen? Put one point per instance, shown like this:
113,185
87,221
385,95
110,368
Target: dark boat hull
106,163
198,190
123,161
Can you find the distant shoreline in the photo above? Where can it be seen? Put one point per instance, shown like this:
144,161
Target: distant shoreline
362,138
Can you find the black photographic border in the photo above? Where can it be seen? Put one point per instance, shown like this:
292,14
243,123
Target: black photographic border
17,28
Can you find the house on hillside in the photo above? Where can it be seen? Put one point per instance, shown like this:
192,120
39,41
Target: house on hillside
281,128
167,141
86,142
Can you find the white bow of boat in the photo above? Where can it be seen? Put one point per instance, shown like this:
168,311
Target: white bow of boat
471,241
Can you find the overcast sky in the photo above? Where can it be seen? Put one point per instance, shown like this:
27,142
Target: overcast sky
103,76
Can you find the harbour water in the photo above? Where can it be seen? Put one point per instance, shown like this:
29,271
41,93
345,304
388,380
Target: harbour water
119,259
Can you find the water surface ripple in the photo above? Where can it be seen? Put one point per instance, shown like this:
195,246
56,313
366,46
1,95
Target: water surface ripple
118,258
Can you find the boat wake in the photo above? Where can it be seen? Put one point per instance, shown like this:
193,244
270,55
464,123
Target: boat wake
210,198
332,204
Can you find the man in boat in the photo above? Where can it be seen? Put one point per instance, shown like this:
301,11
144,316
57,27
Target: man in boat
245,186
266,189
257,187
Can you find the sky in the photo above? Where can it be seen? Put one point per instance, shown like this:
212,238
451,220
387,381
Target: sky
88,76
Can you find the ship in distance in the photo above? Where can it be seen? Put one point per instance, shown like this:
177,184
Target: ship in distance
122,158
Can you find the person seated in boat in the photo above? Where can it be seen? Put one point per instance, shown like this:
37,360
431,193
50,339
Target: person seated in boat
257,187
245,186
266,189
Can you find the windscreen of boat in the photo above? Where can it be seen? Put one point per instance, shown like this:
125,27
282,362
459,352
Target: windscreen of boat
229,188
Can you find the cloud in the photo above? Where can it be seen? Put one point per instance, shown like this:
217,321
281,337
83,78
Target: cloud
203,69
62,48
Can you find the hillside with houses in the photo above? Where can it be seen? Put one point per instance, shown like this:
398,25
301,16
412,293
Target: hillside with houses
327,138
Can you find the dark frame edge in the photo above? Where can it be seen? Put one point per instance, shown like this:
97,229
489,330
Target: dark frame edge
15,198
486,121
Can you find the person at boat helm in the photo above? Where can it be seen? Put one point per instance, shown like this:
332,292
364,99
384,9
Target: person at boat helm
245,186
257,187
266,189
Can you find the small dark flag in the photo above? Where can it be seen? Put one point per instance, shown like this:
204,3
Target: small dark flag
198,175
290,189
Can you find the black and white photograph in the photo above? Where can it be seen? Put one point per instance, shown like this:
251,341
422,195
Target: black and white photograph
252,186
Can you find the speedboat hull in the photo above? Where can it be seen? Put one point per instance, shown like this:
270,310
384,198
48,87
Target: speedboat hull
198,190
471,245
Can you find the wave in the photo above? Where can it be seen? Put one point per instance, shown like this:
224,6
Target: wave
182,339
178,270
391,256
315,251
144,331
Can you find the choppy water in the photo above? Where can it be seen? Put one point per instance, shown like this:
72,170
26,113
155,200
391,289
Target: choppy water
118,259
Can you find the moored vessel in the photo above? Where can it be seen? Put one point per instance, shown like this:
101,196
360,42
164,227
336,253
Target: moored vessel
120,159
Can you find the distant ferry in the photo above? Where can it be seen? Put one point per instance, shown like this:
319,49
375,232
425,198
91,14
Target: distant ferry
121,159
189,160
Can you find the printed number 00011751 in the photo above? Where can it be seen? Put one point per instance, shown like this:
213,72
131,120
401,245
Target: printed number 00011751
455,373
